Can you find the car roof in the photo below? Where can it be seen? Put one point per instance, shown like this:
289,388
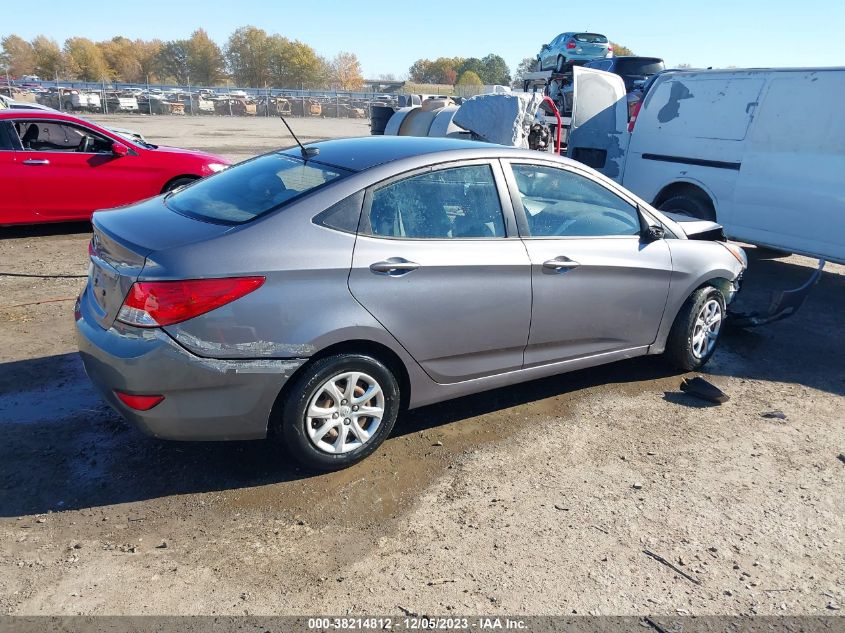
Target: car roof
33,113
364,152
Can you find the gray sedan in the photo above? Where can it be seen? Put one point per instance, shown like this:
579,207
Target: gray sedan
312,295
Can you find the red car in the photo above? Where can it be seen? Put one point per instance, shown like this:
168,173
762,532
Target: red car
55,167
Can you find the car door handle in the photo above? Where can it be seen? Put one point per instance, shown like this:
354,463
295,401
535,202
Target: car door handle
560,263
36,161
395,266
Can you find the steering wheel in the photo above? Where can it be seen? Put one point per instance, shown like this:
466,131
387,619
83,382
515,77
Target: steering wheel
86,144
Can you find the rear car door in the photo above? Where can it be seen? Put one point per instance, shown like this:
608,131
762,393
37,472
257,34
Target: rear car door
12,201
598,287
598,135
67,177
439,263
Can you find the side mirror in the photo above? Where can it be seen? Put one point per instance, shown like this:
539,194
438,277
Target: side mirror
119,149
653,233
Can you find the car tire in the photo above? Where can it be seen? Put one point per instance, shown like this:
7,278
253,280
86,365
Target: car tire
560,63
539,66
176,183
685,348
311,391
693,205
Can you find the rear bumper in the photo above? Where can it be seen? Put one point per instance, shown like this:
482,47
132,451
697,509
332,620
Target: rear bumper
205,399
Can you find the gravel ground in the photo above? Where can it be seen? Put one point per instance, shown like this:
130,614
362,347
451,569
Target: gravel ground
537,499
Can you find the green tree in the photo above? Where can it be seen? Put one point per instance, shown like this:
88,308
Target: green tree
346,71
420,71
248,53
85,59
469,78
527,65
173,62
48,57
18,55
471,64
496,70
619,49
206,64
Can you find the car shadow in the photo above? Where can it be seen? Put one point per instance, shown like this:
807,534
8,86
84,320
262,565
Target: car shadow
42,230
64,449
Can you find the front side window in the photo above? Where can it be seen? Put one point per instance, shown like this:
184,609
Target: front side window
52,136
561,203
251,189
454,203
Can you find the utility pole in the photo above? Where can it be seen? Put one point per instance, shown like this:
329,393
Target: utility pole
149,96
8,82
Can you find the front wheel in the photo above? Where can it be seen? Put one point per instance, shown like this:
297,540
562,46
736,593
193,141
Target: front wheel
338,411
696,329
176,183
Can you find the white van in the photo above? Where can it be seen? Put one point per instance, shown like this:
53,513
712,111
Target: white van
762,151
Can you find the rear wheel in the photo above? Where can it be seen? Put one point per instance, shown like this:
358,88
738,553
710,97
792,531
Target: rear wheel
561,61
691,204
338,411
696,329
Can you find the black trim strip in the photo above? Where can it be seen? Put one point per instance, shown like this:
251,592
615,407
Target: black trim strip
693,161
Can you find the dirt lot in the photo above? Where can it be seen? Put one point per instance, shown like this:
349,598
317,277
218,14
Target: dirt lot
537,499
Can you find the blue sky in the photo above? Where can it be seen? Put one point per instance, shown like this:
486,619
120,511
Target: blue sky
389,36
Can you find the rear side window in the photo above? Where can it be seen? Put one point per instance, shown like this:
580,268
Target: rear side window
643,67
454,203
249,190
591,38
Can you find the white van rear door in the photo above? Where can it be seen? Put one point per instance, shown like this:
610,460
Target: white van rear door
598,135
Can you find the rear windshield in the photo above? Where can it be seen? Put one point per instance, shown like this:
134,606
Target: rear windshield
251,189
641,67
592,38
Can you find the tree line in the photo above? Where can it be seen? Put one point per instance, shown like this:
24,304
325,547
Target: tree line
251,57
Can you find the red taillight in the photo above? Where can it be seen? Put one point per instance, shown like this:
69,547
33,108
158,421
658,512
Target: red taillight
610,47
158,303
139,403
633,120
570,45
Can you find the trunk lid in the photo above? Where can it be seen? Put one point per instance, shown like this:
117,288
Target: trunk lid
122,240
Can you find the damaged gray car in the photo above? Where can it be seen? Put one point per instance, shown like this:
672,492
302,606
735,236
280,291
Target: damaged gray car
311,294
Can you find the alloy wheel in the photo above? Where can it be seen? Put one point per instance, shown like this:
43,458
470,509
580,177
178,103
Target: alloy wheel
345,412
705,330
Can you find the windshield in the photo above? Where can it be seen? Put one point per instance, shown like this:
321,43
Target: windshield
642,67
251,189
592,38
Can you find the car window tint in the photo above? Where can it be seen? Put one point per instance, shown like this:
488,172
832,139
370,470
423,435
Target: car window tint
557,202
5,138
251,189
344,215
454,203
52,136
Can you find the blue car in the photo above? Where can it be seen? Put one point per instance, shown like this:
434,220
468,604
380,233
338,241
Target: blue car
568,47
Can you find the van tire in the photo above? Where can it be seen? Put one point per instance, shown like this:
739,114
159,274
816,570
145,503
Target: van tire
691,204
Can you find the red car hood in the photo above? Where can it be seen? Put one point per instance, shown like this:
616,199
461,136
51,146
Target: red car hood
211,158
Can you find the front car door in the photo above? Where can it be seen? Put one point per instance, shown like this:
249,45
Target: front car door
599,288
438,263
71,170
13,207
598,135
